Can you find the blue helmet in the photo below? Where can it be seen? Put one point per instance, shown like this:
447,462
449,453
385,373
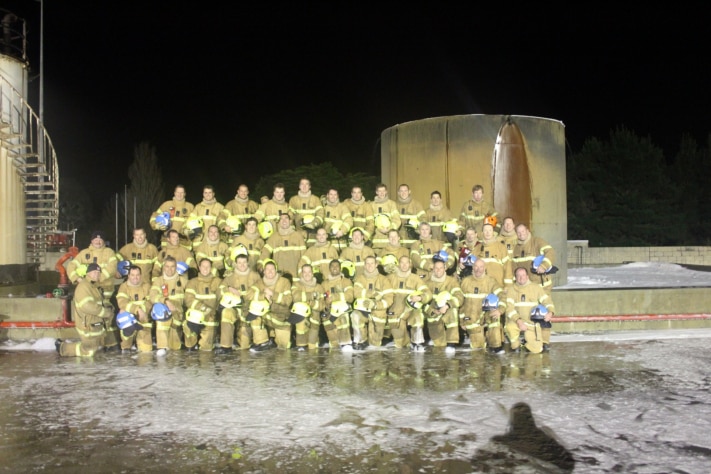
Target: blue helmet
160,312
122,267
163,219
490,303
469,260
538,313
441,256
182,268
538,261
127,323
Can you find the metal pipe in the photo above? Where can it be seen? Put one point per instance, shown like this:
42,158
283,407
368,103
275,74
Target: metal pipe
629,317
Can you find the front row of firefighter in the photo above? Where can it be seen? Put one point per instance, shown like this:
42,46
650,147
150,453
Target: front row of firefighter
269,310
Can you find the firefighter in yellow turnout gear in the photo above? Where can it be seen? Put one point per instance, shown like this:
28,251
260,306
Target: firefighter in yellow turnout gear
201,303
521,299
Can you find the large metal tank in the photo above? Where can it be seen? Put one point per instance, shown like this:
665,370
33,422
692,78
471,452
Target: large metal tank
519,160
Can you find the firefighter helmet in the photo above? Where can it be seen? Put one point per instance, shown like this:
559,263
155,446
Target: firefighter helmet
538,313
238,250
492,220
469,260
299,312
441,256
441,299
195,320
160,312
127,323
336,226
265,229
230,300
269,260
235,223
182,268
538,261
490,303
348,269
339,308
257,309
413,223
364,305
122,267
382,221
163,220
389,263
308,221
194,225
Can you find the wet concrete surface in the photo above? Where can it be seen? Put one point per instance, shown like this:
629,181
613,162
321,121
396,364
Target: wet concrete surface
619,402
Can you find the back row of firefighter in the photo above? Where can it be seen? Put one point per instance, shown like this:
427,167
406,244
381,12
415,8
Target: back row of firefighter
315,272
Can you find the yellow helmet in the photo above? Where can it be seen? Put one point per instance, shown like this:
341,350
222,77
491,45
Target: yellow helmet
339,308
269,260
336,226
348,269
194,224
441,299
308,221
235,223
265,229
450,226
413,223
230,300
389,263
195,316
299,312
363,305
382,221
81,270
238,250
257,309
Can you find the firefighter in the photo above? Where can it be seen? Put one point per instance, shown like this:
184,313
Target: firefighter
522,300
475,288
442,311
527,249
508,236
338,299
214,249
134,297
476,209
405,317
241,208
308,291
91,314
140,252
251,240
361,212
437,214
201,303
175,250
337,220
357,251
276,291
411,214
369,315
494,253
173,214
320,254
206,213
285,247
307,211
386,217
168,288
270,209
426,249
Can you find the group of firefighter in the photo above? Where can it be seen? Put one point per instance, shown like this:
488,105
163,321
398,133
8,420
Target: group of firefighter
312,272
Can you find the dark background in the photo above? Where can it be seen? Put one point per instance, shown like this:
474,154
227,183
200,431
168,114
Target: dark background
228,93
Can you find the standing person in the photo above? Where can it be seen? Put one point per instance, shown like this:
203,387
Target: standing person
405,316
307,211
437,214
169,288
337,219
177,210
467,247
411,214
472,319
285,246
386,217
140,252
213,249
208,211
426,250
201,303
525,252
307,290
276,291
508,235
361,212
271,209
241,208
338,300
357,251
91,315
320,254
476,209
97,252
239,285
251,240
369,315
493,252
442,311
175,250
134,297
521,300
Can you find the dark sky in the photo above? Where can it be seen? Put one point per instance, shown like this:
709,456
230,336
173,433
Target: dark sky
229,93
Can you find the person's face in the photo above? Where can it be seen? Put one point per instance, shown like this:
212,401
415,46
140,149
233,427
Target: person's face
394,239
521,233
169,268
208,194
470,235
321,236
403,192
173,238
508,225
205,267
213,233
478,195
242,264
381,192
134,277
438,269
404,264
97,242
270,271
370,264
279,194
425,231
357,237
479,268
488,232
304,186
179,193
356,194
94,275
139,236
332,196
334,268
521,276
284,221
435,199
251,227
307,273
243,192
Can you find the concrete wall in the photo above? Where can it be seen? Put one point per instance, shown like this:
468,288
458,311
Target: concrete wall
580,254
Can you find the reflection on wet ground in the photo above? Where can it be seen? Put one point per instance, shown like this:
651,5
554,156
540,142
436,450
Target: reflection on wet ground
617,406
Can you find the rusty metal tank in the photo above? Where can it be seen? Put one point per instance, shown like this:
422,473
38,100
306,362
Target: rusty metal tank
519,160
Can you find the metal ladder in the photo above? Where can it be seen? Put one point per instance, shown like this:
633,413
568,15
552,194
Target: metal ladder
27,143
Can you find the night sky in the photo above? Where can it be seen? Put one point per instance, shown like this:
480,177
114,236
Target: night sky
227,94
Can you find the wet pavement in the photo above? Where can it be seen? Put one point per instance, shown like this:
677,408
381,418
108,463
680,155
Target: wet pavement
633,402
